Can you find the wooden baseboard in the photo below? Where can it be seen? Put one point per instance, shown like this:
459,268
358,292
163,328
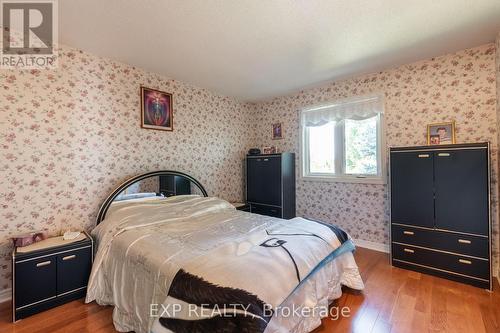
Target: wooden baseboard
5,295
380,247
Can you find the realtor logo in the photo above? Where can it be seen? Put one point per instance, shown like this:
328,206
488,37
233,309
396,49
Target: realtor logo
29,34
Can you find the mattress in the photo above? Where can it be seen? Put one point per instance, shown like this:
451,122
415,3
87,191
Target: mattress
142,245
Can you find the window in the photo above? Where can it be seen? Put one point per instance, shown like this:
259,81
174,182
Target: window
343,141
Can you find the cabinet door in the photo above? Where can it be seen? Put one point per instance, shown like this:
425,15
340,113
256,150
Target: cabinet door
182,186
35,280
266,210
412,188
73,270
461,181
167,185
264,180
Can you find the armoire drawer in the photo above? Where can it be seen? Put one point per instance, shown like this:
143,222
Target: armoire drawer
442,261
265,210
445,241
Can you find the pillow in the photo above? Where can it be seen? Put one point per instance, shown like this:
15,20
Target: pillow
130,196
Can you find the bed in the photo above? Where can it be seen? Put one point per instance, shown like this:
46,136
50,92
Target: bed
193,263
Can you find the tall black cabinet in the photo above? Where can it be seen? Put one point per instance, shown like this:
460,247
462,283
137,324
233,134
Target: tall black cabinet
440,211
171,185
270,184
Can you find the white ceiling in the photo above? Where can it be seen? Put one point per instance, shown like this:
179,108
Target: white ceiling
256,49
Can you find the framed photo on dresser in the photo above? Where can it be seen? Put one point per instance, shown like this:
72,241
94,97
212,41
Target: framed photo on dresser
269,150
441,133
156,110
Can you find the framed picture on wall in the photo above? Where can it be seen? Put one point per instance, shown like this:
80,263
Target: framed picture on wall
277,131
156,110
441,133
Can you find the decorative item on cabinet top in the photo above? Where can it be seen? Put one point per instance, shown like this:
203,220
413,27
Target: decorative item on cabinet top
254,151
441,133
440,211
241,206
269,150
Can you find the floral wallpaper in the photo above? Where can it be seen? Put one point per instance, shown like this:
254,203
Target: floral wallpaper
458,87
69,136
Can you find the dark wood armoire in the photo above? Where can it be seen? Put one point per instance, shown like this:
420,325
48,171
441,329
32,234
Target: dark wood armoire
270,184
171,185
440,211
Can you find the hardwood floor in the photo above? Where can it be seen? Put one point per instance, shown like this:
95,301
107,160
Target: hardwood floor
397,300
394,300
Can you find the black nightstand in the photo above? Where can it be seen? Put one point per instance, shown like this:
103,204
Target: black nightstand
241,206
53,273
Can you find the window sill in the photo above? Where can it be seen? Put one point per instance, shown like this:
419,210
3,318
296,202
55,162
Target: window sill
354,180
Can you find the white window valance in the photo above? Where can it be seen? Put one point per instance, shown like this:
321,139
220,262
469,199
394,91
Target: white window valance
359,109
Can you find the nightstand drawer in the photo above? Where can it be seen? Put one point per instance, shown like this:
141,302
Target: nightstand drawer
265,210
73,270
35,280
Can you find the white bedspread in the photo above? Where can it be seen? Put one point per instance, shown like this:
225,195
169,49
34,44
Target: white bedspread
142,244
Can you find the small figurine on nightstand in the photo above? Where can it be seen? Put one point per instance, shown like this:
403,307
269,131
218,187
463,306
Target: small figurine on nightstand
69,235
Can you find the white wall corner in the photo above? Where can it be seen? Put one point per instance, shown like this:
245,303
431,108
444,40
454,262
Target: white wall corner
380,247
5,295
